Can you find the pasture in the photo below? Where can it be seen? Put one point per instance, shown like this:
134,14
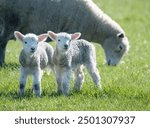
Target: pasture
125,87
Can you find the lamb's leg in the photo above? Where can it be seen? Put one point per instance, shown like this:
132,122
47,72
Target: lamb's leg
23,78
37,82
66,80
78,78
58,75
50,68
93,71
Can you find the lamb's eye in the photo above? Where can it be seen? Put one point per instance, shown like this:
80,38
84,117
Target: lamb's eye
58,40
25,42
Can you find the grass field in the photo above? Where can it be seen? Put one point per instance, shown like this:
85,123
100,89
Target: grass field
125,87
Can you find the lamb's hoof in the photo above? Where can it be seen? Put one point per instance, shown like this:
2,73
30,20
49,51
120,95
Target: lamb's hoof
38,94
59,92
75,89
21,94
66,93
99,86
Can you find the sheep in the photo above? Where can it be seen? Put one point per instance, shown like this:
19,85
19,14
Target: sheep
72,54
37,16
34,57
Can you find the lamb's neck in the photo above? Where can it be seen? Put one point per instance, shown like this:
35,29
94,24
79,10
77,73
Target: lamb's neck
29,57
61,59
59,53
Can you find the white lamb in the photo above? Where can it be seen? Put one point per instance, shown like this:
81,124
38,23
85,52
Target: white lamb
71,54
34,57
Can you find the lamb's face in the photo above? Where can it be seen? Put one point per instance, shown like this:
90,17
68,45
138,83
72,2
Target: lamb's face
115,48
63,41
30,43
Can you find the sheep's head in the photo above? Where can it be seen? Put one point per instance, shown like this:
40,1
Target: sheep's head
115,47
63,39
30,41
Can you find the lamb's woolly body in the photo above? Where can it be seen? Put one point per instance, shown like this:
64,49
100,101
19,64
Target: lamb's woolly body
80,53
34,57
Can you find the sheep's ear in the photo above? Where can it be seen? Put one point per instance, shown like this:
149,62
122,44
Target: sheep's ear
42,37
19,35
120,35
52,35
75,36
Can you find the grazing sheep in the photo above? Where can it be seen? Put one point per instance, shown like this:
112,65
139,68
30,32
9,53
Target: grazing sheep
37,16
72,54
34,57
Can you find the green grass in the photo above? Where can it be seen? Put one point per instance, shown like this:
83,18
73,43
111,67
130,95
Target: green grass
125,87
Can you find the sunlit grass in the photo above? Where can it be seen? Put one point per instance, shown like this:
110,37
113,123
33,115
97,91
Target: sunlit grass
125,87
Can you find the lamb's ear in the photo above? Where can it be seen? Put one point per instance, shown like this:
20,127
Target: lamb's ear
120,35
42,37
19,35
52,35
75,36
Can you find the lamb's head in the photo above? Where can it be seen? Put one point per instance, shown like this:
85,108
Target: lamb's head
63,39
115,48
30,41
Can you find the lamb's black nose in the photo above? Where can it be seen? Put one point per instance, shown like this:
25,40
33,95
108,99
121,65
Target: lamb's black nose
66,46
32,49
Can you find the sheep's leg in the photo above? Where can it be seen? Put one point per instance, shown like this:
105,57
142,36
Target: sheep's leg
23,78
78,78
93,71
2,55
37,82
66,81
58,75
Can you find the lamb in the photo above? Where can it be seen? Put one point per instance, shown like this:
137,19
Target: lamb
72,54
38,16
34,57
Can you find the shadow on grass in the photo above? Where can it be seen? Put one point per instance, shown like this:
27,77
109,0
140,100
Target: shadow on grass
11,66
29,94
54,94
15,96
